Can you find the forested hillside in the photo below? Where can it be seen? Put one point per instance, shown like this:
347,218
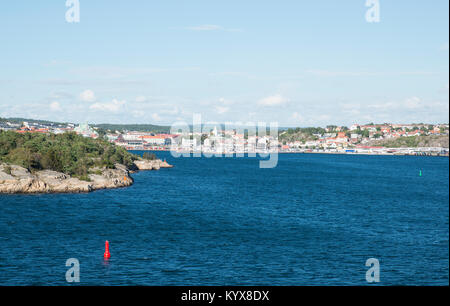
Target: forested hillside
68,153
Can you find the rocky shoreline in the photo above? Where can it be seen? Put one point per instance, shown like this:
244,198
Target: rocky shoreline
18,180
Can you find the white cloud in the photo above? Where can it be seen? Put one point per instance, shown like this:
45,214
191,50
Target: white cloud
211,27
87,96
222,109
115,72
56,62
273,100
224,101
60,95
114,106
174,111
138,113
382,106
141,99
412,103
55,106
206,27
330,73
324,118
296,116
156,117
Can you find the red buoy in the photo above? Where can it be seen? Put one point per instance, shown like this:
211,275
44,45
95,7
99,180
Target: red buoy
106,255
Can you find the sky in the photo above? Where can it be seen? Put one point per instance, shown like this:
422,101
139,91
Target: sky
298,63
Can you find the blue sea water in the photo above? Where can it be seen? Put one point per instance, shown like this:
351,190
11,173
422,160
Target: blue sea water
312,220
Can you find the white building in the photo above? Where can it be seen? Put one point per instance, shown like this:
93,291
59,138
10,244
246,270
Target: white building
354,127
86,131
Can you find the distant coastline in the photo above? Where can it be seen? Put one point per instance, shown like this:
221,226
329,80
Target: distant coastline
369,139
413,152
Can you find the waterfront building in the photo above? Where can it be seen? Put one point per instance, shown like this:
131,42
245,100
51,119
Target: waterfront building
86,131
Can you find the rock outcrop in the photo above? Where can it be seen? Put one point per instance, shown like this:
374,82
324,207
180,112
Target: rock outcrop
16,179
156,164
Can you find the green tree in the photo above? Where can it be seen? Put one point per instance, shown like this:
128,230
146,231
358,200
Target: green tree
68,152
149,156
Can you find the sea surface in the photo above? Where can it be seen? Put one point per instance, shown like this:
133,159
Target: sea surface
313,220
